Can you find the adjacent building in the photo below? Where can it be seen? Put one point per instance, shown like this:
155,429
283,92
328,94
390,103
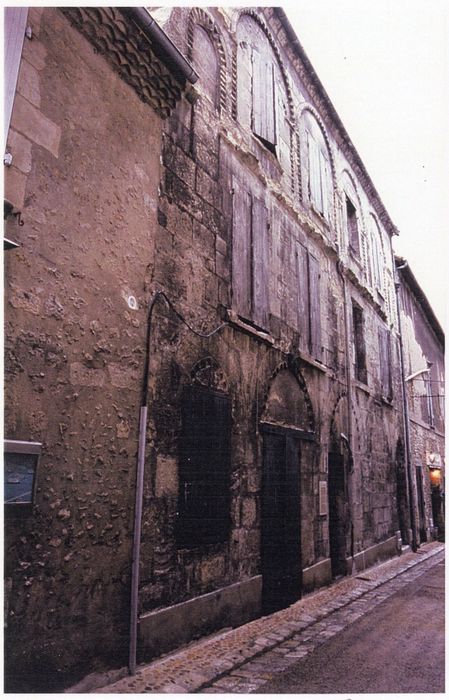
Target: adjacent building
203,357
423,356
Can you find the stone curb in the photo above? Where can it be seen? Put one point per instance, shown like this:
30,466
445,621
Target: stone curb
226,652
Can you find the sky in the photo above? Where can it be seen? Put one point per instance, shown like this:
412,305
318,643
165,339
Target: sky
385,67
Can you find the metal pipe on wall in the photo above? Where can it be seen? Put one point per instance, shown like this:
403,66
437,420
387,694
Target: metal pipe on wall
140,477
348,394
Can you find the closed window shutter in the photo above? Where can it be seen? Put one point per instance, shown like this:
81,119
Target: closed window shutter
324,180
315,318
204,467
260,250
314,172
376,260
241,250
303,296
263,97
15,26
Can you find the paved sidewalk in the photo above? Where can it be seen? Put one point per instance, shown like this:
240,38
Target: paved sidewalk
216,664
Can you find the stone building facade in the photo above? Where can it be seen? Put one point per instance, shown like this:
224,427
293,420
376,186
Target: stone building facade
423,351
218,254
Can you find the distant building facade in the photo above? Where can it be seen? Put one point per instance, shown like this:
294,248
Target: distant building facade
423,350
217,255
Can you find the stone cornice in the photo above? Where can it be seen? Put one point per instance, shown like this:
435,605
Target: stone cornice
130,54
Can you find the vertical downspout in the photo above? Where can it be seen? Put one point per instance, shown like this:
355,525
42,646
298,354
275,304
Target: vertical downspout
139,498
348,396
141,472
408,450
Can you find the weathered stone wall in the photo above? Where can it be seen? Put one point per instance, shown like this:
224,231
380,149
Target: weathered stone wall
423,348
204,148
115,205
85,176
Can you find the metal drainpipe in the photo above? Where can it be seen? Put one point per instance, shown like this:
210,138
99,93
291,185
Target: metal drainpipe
141,471
139,498
348,393
150,27
408,449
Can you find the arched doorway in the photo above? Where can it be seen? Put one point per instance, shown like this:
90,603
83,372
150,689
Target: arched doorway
287,436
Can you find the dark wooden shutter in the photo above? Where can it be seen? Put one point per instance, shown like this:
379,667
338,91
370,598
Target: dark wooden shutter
15,25
241,250
204,467
303,296
260,250
263,96
315,316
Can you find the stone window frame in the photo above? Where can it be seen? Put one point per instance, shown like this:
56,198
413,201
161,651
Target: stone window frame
199,17
290,117
307,108
359,343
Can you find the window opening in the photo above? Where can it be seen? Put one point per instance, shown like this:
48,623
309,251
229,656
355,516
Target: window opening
359,344
204,468
352,227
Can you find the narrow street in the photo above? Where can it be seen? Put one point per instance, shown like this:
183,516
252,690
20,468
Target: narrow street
396,648
379,631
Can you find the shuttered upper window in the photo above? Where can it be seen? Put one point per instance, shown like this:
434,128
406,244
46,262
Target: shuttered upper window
250,247
319,177
377,258
15,25
309,318
204,467
261,93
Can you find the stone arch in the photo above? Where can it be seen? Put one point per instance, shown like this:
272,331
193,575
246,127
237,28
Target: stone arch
262,24
345,174
207,372
198,16
306,107
347,178
377,231
333,428
310,109
287,400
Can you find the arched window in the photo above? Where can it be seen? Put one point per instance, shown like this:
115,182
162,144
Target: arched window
204,58
262,102
319,176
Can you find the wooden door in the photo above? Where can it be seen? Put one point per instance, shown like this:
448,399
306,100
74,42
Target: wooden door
337,514
280,527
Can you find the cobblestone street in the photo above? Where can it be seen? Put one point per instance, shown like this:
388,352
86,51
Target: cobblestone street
243,659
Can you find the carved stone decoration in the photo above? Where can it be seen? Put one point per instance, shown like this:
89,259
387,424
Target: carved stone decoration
198,16
129,53
207,372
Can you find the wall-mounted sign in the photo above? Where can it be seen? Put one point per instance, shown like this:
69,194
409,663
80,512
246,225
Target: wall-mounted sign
434,460
323,497
20,465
